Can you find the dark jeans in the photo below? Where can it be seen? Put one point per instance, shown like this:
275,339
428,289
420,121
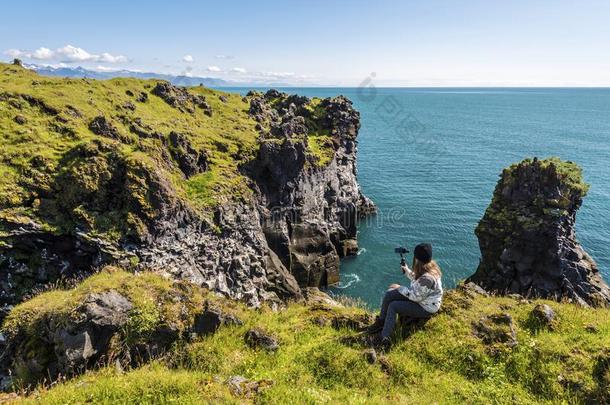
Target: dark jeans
394,303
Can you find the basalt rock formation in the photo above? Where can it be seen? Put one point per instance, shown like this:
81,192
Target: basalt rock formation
308,195
117,317
254,201
527,237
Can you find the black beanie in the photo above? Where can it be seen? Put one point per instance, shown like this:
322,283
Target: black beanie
423,252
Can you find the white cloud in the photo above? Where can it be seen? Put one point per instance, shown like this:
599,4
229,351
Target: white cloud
67,54
188,58
224,57
13,53
238,70
42,53
71,53
108,58
280,75
213,69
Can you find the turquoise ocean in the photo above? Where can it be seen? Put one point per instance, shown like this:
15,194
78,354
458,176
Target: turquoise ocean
430,159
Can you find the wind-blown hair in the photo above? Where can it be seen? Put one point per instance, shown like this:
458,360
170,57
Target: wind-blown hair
432,268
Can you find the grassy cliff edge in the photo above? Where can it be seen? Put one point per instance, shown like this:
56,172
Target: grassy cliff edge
321,359
67,143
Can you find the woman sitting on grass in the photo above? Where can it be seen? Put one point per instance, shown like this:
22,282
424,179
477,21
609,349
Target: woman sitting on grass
421,300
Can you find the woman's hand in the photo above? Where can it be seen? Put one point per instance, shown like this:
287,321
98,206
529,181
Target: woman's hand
394,286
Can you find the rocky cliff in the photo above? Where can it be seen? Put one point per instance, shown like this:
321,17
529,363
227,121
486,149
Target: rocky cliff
253,197
527,237
305,175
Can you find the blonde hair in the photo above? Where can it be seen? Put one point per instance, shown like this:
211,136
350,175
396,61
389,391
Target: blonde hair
421,268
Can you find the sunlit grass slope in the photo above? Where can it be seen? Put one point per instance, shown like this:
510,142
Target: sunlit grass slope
321,360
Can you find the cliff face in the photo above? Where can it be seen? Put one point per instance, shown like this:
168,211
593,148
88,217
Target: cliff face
527,237
253,197
306,185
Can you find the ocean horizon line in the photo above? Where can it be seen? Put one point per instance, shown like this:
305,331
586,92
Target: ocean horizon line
283,86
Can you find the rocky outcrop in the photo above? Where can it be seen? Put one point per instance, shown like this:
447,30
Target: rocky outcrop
160,232
112,317
52,259
119,194
309,210
544,315
180,98
527,237
292,235
242,387
101,126
211,319
257,339
68,347
496,329
190,160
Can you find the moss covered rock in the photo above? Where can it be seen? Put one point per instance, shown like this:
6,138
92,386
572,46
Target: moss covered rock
527,237
112,316
151,175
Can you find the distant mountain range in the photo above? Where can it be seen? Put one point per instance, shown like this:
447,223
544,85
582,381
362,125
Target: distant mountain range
80,72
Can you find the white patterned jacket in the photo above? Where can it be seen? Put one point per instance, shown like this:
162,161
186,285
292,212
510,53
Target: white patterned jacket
427,290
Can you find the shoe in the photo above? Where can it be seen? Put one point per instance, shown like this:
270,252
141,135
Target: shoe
380,343
377,326
374,340
385,344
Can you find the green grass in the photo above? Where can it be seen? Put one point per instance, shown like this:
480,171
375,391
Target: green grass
150,384
156,302
34,154
567,172
443,362
31,153
151,295
320,147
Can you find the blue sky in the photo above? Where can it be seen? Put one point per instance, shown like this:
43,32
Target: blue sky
405,43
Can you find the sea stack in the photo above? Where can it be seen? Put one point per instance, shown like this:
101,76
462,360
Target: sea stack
527,238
